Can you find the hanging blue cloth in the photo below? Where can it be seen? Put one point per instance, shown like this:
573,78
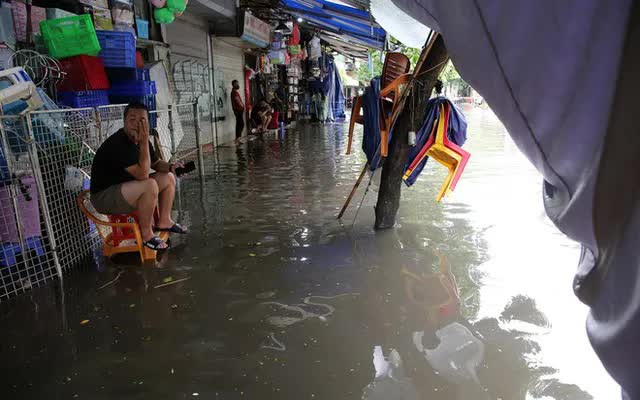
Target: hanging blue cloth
457,133
371,114
338,99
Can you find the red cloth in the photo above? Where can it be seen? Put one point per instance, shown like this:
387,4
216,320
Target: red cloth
139,59
294,39
236,101
274,120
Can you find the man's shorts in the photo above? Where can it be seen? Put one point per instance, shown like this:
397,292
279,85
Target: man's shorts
111,201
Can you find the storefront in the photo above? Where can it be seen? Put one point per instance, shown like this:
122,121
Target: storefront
228,61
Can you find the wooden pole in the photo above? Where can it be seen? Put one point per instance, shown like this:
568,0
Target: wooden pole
432,60
353,191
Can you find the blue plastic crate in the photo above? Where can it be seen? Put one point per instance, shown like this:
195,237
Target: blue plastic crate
8,254
142,27
143,74
88,98
117,75
132,89
10,251
118,49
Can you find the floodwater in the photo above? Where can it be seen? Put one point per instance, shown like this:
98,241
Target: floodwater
271,297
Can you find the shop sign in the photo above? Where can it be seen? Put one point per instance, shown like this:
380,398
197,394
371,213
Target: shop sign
256,31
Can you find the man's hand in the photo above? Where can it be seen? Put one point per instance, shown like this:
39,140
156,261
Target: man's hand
177,164
143,131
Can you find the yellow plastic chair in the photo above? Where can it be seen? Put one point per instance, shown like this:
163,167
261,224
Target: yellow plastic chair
442,154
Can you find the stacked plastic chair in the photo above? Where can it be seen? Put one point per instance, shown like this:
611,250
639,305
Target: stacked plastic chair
441,149
395,73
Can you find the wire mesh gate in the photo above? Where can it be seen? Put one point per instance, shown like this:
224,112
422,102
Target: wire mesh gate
45,161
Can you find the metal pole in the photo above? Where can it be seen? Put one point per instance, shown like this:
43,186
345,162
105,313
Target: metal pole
37,172
99,125
11,187
172,133
212,89
196,121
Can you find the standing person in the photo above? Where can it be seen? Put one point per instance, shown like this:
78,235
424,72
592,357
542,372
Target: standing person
238,108
122,182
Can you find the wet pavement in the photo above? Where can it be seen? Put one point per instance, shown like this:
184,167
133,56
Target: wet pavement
271,297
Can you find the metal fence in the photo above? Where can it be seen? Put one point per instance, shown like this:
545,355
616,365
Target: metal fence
45,161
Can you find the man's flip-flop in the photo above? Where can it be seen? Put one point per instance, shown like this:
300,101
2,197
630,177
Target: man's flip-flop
175,228
155,243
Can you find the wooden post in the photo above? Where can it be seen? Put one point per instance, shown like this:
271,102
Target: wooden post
431,63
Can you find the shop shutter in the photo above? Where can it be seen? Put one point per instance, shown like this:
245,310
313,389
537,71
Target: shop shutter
187,37
228,61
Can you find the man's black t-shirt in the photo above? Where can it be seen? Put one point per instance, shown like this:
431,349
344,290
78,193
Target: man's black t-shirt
114,156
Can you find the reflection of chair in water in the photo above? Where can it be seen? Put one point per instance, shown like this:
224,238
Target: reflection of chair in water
456,353
394,75
119,233
435,292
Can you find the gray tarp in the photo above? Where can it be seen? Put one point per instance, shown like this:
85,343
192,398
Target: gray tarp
549,69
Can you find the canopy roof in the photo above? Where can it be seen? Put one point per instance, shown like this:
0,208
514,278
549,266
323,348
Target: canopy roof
349,30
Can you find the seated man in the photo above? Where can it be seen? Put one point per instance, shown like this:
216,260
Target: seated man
261,116
121,181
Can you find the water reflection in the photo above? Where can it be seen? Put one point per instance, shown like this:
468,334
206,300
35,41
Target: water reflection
285,302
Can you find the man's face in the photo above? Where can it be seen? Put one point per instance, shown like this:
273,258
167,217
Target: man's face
235,85
132,123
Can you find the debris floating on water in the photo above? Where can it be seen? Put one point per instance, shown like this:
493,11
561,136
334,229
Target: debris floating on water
111,282
171,283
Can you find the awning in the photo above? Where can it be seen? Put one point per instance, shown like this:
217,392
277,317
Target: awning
399,24
342,45
352,24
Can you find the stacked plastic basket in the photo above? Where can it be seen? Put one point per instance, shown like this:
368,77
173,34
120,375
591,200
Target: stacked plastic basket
100,66
128,82
73,41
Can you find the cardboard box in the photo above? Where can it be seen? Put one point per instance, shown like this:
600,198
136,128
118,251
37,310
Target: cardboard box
102,19
96,3
122,16
55,13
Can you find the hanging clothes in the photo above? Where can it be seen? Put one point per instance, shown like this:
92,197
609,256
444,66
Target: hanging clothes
294,39
371,114
457,133
337,105
318,105
315,51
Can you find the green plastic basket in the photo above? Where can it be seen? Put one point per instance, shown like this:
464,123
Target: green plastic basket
70,36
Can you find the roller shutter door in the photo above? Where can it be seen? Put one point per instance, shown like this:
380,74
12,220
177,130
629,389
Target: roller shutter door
228,61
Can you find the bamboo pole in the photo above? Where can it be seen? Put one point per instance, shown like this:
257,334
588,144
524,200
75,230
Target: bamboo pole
353,191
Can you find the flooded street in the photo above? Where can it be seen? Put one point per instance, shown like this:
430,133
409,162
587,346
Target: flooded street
468,299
